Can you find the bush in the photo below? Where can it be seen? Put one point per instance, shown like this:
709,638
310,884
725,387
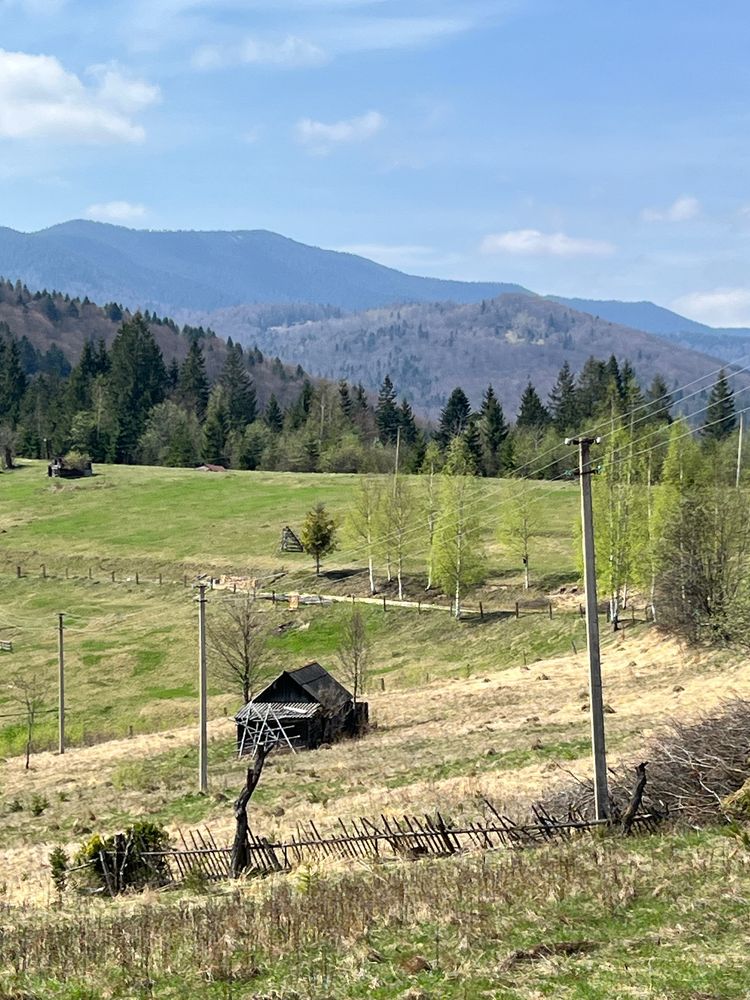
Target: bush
117,863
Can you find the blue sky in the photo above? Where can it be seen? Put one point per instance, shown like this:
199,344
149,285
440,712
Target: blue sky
580,147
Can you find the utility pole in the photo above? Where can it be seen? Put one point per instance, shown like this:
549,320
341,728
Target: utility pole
601,793
202,688
739,449
61,682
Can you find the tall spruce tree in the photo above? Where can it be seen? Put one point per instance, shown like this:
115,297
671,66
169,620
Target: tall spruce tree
532,413
563,401
387,417
659,401
720,413
216,428
492,430
454,417
192,385
137,383
592,393
241,402
13,382
407,423
273,416
346,406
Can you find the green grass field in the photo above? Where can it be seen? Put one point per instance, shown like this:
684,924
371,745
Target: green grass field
175,520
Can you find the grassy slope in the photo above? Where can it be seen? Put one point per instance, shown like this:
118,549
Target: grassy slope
131,647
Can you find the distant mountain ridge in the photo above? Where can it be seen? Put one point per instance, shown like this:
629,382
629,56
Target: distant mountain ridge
166,271
429,348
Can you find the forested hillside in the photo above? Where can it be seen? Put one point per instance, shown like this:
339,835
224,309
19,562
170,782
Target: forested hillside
427,349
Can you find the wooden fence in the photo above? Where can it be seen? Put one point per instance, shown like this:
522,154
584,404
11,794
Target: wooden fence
384,839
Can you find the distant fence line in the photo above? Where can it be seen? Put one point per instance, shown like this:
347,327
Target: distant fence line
295,599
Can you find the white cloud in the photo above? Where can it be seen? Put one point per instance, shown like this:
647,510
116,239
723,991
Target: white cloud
532,242
340,36
39,98
289,53
116,211
721,307
320,136
681,210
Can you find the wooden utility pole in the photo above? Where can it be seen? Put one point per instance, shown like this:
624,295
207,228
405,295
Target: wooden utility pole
202,689
739,449
601,793
61,682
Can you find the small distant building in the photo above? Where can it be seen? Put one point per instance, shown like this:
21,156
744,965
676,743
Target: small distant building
210,468
59,468
300,710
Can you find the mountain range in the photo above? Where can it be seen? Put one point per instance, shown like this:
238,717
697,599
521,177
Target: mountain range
343,316
203,271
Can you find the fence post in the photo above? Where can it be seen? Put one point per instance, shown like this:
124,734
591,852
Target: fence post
382,683
18,572
112,574
516,609
550,609
66,573
184,580
481,611
384,604
137,581
419,607
44,571
273,596
160,579
90,574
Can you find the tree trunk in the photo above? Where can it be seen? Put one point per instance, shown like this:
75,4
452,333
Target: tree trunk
635,802
526,583
8,457
246,690
372,574
317,564
240,848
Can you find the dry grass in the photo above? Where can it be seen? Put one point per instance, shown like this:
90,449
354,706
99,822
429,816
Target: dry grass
508,734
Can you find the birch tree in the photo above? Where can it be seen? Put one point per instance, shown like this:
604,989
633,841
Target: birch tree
458,554
362,522
520,524
430,504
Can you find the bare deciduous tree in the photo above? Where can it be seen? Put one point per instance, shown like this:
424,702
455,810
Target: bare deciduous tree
354,653
239,641
29,692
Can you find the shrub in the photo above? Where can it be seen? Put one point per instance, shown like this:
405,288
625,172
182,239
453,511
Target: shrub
117,863
58,862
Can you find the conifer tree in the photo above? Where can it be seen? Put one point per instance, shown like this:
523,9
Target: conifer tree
346,406
454,417
318,534
659,400
532,413
273,416
591,392
387,417
240,391
216,428
300,411
137,383
563,401
407,423
720,413
13,381
192,385
492,432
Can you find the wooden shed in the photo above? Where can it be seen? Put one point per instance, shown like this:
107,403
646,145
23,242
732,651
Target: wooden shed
300,710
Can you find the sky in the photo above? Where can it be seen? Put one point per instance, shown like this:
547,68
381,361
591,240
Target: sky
594,148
